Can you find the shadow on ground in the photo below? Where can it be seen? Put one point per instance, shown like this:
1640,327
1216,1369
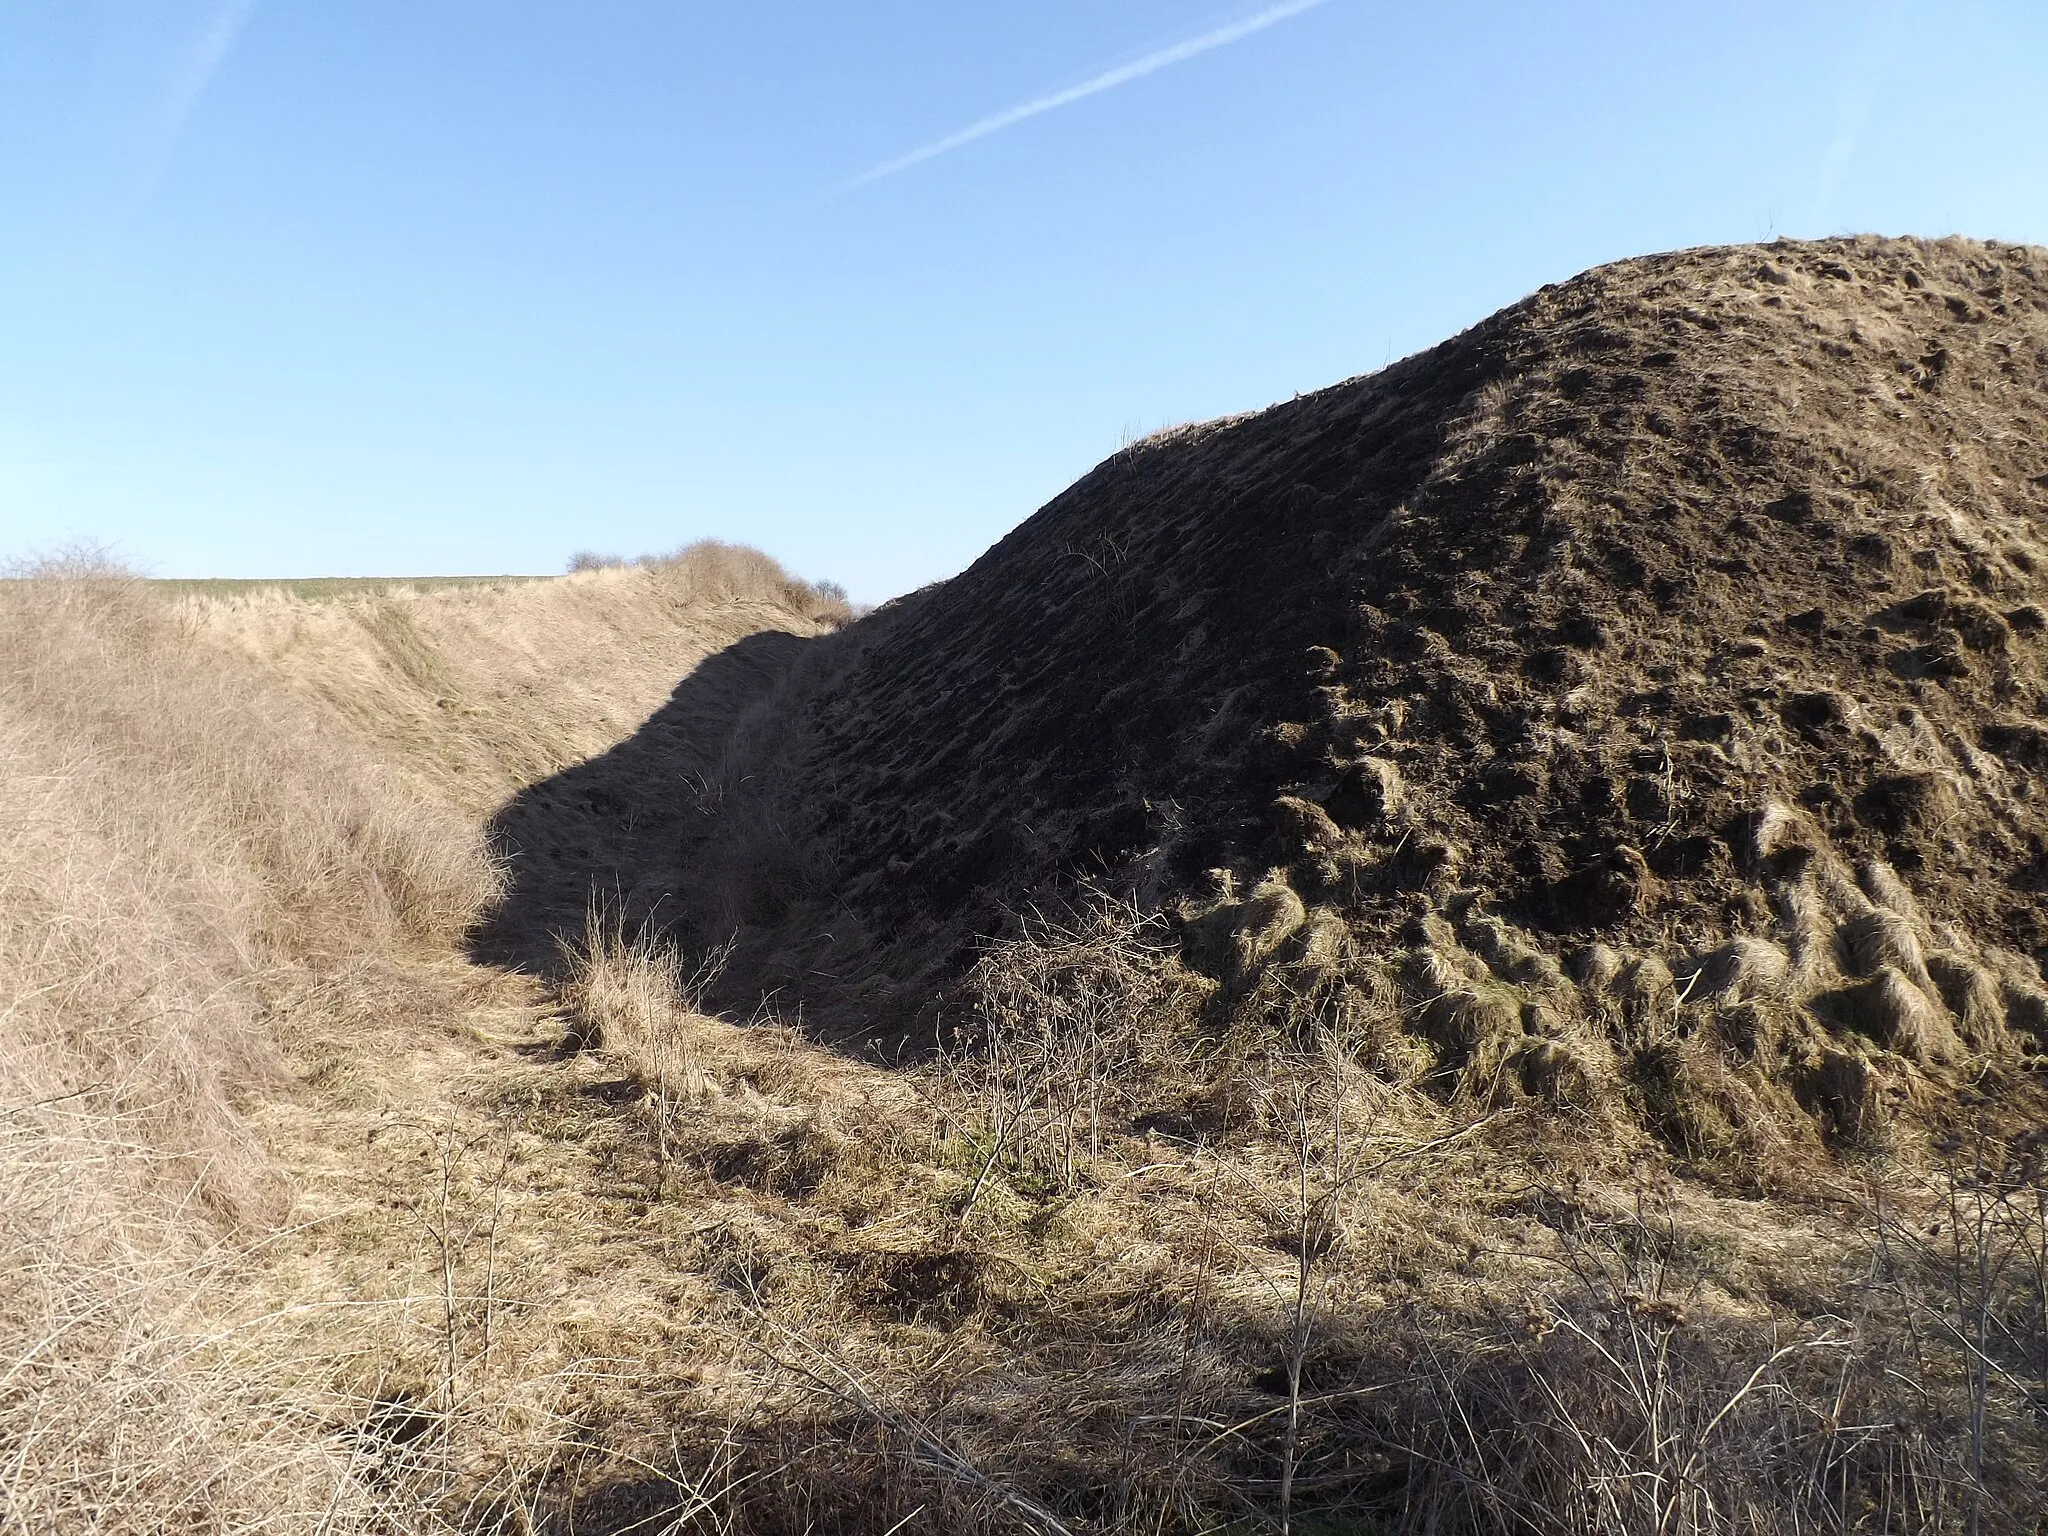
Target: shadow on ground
614,830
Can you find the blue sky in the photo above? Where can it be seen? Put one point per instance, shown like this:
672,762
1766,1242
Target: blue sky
297,287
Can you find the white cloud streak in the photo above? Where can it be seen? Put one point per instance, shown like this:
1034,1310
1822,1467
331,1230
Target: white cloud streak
1862,84
1095,85
155,62
203,57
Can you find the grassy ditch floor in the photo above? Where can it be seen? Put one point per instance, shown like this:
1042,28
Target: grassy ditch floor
596,1261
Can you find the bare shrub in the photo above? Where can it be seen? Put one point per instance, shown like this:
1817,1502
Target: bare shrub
1632,1398
712,570
1966,1263
1076,1028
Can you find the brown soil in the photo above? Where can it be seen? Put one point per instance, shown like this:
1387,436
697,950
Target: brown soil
1681,621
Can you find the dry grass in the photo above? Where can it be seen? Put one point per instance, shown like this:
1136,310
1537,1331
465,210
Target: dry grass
636,999
181,847
473,692
1117,1263
210,887
306,1224
316,588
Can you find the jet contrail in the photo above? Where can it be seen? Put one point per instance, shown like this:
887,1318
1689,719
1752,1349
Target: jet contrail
203,58
1862,84
155,61
1108,80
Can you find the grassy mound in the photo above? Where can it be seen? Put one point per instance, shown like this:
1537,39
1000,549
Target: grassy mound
1670,644
1467,945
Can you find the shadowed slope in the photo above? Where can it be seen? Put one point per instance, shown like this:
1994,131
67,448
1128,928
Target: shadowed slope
611,830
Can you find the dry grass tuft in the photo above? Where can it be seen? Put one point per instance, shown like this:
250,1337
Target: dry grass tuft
637,1000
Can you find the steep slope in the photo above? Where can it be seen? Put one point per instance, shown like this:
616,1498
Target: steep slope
475,688
1683,619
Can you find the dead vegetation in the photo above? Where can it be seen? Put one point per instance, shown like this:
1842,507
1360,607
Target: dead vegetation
210,888
1110,1262
181,849
473,692
1290,1147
